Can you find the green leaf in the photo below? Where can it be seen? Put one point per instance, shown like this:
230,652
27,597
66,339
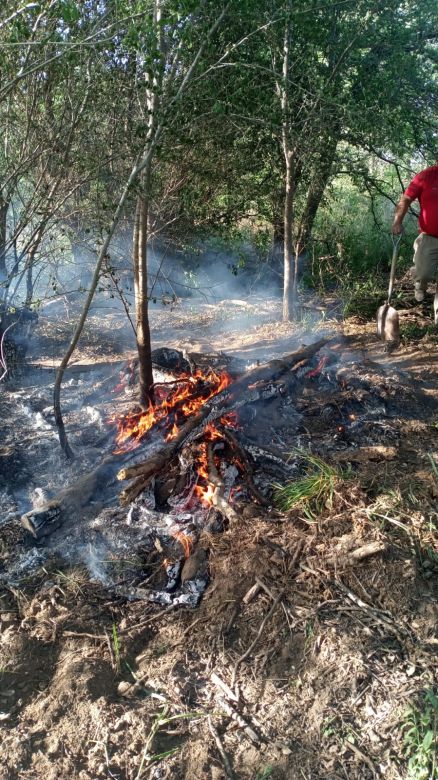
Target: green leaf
428,739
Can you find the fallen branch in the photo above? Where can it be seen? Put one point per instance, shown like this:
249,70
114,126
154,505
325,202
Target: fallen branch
218,499
224,687
225,760
248,472
237,717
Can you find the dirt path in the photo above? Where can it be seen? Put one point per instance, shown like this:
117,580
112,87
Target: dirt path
318,676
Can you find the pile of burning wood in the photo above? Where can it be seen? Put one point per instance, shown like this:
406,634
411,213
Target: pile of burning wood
207,454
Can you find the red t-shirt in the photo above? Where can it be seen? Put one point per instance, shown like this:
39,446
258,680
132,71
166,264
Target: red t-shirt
424,186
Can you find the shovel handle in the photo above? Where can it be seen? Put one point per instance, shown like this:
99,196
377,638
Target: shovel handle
395,245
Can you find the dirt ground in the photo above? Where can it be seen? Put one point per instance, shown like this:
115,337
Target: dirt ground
329,671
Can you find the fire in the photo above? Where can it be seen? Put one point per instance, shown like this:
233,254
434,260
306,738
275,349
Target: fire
206,493
172,408
184,540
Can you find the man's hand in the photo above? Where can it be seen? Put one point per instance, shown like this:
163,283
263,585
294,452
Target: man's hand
400,213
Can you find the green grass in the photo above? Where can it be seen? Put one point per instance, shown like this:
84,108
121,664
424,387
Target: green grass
420,738
312,492
363,298
161,719
264,774
414,332
116,647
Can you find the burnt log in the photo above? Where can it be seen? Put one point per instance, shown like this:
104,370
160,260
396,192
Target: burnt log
70,503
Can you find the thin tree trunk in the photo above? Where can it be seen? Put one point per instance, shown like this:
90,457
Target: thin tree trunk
288,245
79,327
316,190
3,229
29,285
143,335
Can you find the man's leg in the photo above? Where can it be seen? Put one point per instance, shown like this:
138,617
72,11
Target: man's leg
425,263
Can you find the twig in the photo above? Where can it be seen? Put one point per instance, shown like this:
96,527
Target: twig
297,554
264,587
225,760
223,686
111,652
377,614
252,593
3,364
351,746
236,716
83,635
257,637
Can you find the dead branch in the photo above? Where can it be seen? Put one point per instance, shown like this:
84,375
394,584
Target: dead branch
225,760
224,687
248,472
241,722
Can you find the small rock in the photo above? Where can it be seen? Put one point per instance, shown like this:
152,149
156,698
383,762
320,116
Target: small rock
123,687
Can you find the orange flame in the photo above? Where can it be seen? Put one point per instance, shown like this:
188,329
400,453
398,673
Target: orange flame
184,541
206,493
191,393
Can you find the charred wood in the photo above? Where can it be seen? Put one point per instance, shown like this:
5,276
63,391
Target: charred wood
247,468
70,501
218,499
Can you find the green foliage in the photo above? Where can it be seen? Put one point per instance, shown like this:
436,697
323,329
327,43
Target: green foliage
420,738
311,492
264,774
351,243
415,332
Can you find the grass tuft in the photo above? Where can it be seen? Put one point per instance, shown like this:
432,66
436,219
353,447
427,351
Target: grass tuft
312,492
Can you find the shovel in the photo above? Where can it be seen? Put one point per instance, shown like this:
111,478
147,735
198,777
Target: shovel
387,318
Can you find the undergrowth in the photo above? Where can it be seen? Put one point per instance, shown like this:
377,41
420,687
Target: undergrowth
420,738
415,332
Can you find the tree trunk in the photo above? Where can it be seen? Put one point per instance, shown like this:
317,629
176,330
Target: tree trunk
143,335
29,285
316,190
288,245
3,229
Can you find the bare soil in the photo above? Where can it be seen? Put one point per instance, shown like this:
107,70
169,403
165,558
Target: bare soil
326,659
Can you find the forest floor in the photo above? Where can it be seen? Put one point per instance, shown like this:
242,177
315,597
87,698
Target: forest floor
340,681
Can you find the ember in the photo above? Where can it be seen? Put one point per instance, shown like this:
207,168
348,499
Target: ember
191,393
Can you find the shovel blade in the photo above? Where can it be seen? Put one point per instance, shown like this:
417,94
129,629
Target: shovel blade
388,328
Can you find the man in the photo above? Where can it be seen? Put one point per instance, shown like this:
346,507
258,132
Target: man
423,186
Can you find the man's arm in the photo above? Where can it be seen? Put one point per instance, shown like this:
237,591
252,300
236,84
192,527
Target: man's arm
400,213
